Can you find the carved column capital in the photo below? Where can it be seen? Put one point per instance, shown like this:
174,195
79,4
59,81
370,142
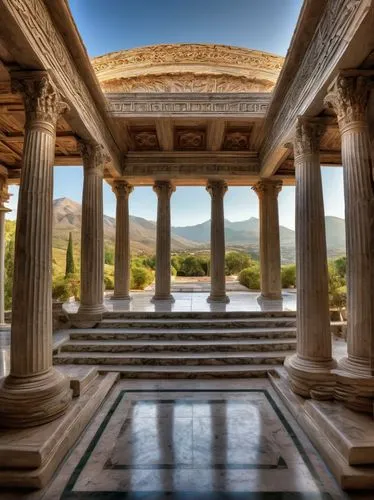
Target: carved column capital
308,135
43,102
93,156
122,189
348,96
217,188
162,187
4,195
267,187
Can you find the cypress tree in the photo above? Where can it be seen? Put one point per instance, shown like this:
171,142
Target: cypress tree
70,267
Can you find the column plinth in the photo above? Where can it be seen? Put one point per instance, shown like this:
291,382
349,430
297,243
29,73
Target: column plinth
349,96
34,392
164,190
217,190
310,369
270,260
122,191
92,232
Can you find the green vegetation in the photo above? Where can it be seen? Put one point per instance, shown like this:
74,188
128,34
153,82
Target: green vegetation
141,277
10,230
288,276
337,283
236,262
70,266
250,276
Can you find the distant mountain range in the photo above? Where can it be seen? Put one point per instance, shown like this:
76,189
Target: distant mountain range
67,216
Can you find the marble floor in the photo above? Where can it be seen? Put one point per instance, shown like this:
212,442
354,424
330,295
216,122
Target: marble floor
231,440
196,302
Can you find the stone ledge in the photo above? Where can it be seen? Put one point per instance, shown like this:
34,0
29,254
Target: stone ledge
80,377
337,443
29,457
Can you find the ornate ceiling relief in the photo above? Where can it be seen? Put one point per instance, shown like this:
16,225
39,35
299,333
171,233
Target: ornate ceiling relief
236,141
145,140
194,68
190,139
186,82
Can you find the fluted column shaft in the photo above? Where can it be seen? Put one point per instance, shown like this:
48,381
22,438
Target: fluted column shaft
349,96
122,191
164,190
34,393
217,190
270,258
310,369
92,236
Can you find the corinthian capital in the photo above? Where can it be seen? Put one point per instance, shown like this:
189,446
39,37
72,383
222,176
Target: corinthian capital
122,189
307,136
217,188
267,187
348,97
165,188
93,156
42,100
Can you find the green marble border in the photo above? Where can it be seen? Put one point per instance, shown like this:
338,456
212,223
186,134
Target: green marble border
69,494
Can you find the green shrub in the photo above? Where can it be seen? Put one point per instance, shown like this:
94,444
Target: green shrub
109,255
70,266
250,277
108,282
236,262
140,277
192,267
64,288
338,298
173,271
288,276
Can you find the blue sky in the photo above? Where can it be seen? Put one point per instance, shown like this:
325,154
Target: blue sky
110,25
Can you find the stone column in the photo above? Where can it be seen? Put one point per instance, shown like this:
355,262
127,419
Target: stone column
164,190
122,191
4,197
310,368
34,392
217,190
92,231
348,96
270,260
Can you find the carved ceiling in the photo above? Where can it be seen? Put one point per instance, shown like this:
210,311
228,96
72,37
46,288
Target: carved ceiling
188,68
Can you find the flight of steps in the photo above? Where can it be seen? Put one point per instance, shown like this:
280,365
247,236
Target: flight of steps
183,345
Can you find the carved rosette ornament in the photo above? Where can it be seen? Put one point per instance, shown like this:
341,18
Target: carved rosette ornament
348,96
34,392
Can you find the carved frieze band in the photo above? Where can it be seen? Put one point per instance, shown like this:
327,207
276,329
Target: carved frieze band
243,105
330,38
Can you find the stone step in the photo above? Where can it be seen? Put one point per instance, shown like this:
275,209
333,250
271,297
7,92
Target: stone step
223,345
176,334
172,358
189,315
258,322
190,372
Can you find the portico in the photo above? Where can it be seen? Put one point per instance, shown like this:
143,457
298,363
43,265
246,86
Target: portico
186,115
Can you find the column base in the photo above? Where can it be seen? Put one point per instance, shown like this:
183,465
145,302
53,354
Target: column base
120,297
34,400
355,385
225,299
311,379
168,298
91,309
267,303
4,326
